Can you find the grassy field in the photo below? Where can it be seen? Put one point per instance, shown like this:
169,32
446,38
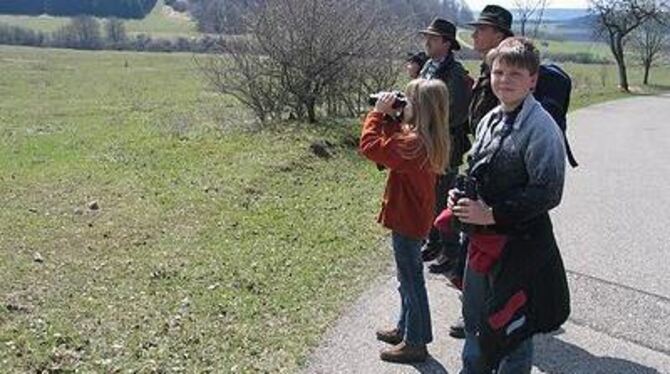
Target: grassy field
599,50
211,248
597,83
160,23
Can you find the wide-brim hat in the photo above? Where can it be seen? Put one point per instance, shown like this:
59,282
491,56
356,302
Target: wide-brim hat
442,27
496,16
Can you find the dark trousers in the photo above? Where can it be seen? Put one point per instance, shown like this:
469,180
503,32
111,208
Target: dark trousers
449,243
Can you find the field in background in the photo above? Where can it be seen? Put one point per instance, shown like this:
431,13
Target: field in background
210,249
161,22
597,49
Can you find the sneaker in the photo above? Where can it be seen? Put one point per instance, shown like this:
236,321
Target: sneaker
457,329
393,336
405,353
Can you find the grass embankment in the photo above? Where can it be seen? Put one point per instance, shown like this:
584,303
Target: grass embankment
211,248
161,22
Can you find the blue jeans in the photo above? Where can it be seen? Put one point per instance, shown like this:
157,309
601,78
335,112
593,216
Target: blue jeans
475,291
414,320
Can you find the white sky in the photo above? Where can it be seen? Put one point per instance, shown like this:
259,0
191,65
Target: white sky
479,4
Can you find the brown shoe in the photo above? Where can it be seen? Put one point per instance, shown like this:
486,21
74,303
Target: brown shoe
405,353
393,336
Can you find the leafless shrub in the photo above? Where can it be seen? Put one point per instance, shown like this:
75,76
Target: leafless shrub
650,41
301,58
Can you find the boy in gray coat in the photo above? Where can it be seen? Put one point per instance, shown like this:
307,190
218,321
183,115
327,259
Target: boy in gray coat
515,284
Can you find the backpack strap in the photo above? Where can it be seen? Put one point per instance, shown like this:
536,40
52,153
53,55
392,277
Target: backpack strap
568,152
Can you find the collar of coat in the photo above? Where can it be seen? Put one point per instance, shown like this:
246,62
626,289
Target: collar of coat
529,104
444,62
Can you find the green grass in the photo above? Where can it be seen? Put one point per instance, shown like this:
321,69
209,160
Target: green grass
157,23
214,249
39,23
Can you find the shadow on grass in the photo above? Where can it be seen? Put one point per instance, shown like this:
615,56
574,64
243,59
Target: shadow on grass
553,355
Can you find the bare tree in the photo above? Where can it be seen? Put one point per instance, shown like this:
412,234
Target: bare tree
616,19
302,56
243,73
115,31
526,9
81,32
650,41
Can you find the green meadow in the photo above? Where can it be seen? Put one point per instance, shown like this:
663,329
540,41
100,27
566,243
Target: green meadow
161,22
149,225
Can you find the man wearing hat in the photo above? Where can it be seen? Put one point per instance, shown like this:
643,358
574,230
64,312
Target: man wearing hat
439,42
492,27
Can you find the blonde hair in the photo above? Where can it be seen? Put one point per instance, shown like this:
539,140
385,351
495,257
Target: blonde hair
428,123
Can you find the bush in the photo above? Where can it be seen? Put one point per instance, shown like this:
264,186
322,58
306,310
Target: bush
577,57
180,6
15,35
301,58
82,32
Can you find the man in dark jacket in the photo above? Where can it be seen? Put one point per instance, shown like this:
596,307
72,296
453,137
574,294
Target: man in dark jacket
492,27
439,44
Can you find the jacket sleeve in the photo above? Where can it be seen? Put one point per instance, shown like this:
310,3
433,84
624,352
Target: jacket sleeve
459,97
544,157
380,143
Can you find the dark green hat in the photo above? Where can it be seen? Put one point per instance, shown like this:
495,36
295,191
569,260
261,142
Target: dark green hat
442,27
496,16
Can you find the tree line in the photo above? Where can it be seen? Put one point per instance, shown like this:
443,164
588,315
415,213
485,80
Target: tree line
228,16
86,32
97,8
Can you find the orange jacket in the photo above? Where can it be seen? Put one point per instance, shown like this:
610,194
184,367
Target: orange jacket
409,199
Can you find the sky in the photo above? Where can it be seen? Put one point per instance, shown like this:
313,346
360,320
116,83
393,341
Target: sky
479,4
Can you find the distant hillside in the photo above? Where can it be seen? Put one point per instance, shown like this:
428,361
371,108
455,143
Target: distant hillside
555,14
562,15
108,8
584,21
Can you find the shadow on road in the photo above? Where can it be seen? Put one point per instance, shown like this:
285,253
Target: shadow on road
431,366
553,355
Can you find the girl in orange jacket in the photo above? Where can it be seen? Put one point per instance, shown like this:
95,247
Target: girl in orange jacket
415,149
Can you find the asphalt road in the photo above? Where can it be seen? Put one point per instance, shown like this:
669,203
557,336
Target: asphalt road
611,227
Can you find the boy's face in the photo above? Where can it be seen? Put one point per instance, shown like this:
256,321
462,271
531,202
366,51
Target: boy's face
511,84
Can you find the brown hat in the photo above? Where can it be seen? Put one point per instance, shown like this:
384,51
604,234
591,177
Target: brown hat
442,27
496,16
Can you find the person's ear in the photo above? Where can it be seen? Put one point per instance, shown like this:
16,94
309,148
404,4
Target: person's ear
533,80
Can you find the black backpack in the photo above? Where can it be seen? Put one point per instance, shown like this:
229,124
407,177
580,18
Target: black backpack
553,92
